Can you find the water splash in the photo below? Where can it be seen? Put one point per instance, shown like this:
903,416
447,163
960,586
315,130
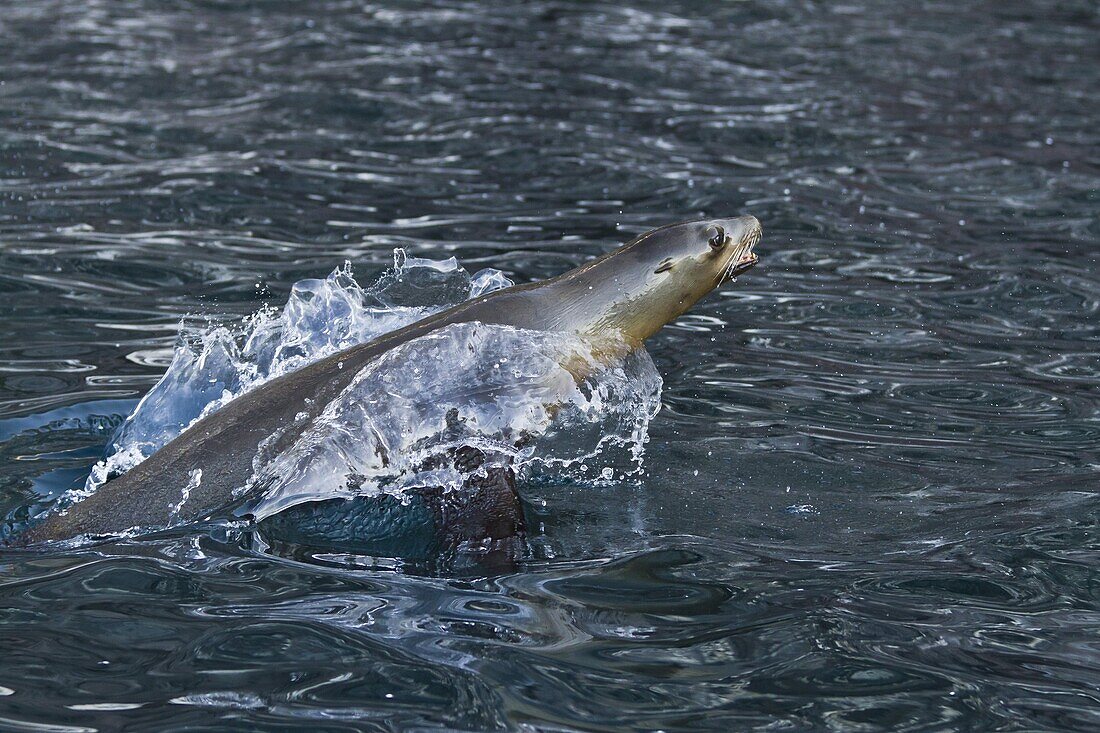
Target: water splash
500,389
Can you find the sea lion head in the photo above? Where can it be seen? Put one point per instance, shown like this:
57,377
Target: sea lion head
700,251
659,275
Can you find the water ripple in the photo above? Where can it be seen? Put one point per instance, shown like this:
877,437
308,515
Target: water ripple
870,499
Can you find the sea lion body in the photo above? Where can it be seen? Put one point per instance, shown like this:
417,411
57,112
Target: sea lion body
614,302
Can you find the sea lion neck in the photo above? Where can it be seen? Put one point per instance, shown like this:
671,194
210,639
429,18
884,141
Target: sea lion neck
617,297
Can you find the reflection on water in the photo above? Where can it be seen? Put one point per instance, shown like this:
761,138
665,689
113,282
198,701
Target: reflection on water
870,496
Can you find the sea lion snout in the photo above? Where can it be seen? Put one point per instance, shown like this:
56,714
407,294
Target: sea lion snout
743,231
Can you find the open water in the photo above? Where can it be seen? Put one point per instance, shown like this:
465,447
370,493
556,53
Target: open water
870,499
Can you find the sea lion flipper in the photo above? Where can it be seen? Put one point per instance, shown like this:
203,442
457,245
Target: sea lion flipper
483,515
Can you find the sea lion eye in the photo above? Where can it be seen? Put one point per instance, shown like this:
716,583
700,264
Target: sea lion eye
716,236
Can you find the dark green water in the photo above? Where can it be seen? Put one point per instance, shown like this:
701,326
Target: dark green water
871,496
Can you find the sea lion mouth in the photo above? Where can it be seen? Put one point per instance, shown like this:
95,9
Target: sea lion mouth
742,265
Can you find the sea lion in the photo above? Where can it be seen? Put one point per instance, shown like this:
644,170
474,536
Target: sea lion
614,303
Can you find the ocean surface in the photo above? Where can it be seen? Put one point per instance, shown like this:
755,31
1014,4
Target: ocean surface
870,500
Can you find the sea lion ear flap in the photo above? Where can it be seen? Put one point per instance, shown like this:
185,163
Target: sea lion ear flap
665,266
